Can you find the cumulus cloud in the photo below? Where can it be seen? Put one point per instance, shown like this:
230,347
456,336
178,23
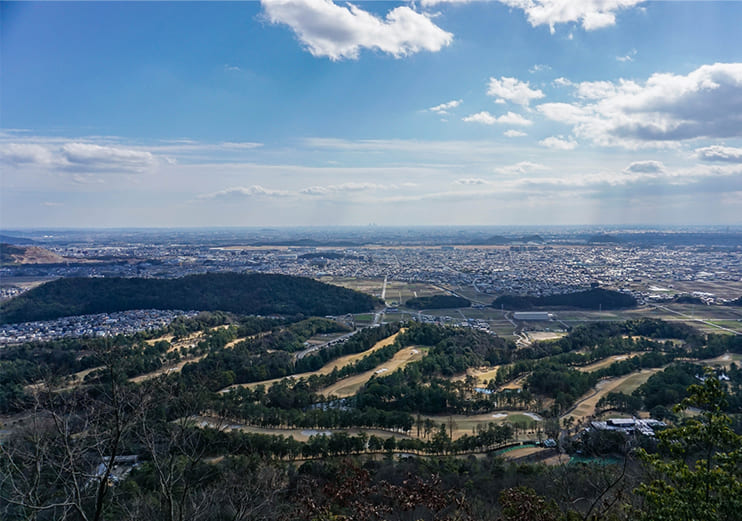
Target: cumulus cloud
591,14
645,167
562,82
486,118
514,133
443,108
341,31
483,117
25,153
666,108
720,153
78,157
513,90
523,167
241,192
558,143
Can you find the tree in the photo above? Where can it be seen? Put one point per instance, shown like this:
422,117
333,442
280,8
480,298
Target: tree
698,472
62,464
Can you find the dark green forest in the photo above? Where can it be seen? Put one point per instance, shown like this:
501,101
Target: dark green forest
252,293
438,302
589,299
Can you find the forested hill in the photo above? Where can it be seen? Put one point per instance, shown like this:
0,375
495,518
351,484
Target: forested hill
262,294
438,302
591,299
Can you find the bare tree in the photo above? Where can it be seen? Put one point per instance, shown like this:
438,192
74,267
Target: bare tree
60,464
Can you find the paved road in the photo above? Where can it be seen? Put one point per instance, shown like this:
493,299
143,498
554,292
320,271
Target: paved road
698,320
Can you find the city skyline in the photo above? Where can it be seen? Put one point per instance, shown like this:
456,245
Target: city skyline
309,112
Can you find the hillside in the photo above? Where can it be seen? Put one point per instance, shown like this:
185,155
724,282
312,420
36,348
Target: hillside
11,254
589,299
262,294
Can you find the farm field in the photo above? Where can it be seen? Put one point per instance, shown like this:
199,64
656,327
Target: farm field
397,292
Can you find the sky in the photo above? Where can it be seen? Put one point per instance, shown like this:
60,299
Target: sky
314,112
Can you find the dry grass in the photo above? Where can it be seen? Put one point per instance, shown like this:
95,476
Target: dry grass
605,362
298,434
724,360
350,386
166,370
467,424
585,406
536,336
338,363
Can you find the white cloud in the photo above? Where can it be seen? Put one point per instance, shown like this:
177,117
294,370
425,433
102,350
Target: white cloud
562,82
25,153
231,68
240,145
591,14
720,153
77,157
486,118
483,117
471,181
539,67
341,31
344,187
240,192
89,157
429,3
645,167
443,108
666,108
627,58
596,90
558,143
521,168
513,90
512,118
514,133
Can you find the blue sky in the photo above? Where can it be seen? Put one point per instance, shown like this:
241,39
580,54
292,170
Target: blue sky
296,112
